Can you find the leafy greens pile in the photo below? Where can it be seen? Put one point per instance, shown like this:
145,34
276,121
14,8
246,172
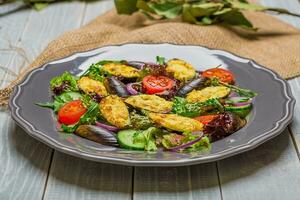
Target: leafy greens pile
201,12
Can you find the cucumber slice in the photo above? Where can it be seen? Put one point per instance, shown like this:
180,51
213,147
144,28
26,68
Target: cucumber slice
234,100
242,111
126,140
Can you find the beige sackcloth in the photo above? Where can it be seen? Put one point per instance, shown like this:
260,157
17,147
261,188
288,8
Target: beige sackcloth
275,45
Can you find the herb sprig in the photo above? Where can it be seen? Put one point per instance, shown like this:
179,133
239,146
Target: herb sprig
201,12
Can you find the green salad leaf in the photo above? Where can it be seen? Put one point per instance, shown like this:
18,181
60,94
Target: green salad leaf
60,100
96,72
241,91
148,137
160,60
172,140
183,108
67,82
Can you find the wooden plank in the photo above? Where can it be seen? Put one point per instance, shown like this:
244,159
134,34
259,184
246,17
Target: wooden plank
25,161
75,178
295,126
271,171
9,35
194,182
293,6
96,8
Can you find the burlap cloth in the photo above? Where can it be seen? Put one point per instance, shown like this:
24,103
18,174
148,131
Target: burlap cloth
275,45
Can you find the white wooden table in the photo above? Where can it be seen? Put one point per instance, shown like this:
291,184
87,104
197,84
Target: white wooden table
31,170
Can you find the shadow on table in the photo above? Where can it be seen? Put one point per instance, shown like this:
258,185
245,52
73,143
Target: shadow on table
99,177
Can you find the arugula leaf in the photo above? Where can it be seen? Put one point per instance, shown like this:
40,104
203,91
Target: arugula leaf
183,108
95,72
69,128
60,100
92,114
241,91
160,60
46,105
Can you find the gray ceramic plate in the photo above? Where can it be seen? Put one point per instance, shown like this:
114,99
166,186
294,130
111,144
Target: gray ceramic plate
273,107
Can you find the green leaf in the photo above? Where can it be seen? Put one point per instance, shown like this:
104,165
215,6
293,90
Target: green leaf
202,146
143,5
69,128
247,6
147,137
166,9
187,15
200,13
160,60
240,91
236,18
40,6
222,11
65,78
182,107
126,6
205,9
96,72
46,105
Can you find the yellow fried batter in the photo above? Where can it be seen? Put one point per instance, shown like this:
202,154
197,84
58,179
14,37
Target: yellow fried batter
118,69
207,93
89,85
115,111
176,122
180,69
150,102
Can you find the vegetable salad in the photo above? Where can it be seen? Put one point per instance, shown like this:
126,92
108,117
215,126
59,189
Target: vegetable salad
149,106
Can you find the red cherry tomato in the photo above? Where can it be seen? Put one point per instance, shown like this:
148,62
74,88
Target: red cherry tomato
71,112
205,119
157,84
222,74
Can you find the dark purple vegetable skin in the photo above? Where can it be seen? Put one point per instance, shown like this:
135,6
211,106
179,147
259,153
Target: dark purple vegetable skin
97,134
115,86
197,83
224,125
136,64
60,89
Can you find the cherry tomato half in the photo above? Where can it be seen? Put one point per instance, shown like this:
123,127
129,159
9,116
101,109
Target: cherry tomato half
205,119
222,74
71,112
157,84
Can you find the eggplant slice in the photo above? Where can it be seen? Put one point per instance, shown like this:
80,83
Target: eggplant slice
97,134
